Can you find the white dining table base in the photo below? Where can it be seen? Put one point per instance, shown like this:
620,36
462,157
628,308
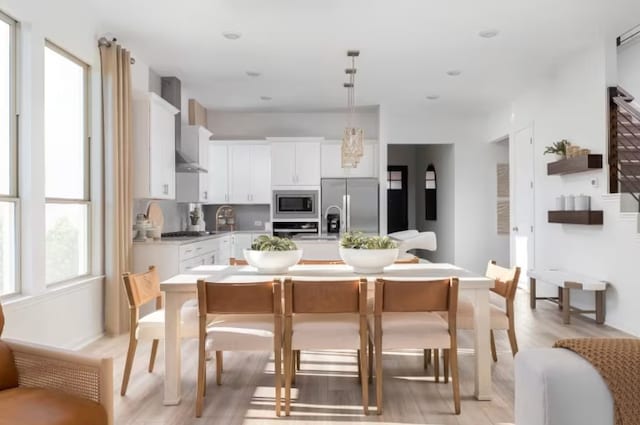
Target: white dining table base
181,288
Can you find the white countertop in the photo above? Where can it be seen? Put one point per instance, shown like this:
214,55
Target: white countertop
184,240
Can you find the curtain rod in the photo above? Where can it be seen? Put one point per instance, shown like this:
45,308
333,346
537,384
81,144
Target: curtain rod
104,41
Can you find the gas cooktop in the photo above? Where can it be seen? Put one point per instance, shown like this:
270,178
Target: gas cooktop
184,233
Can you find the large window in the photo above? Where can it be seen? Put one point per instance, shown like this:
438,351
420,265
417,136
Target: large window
66,165
8,159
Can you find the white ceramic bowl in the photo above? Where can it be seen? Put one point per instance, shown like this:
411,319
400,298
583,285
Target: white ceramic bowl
272,261
368,260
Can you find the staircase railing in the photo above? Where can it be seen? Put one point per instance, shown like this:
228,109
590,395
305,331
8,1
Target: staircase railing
624,144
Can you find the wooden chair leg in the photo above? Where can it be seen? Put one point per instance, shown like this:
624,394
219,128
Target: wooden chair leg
359,364
202,370
362,369
154,351
378,356
494,354
455,382
512,340
370,361
288,368
426,354
293,367
445,365
219,367
436,364
278,377
133,343
297,354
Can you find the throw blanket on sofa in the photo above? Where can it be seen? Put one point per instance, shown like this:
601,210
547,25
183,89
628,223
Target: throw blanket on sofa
618,362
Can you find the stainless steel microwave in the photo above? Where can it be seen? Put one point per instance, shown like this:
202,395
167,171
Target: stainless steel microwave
288,204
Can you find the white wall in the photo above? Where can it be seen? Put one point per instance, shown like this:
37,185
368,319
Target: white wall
71,315
442,156
256,125
572,104
406,155
628,59
475,239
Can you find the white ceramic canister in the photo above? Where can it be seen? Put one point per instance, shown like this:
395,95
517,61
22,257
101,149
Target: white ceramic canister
569,203
560,203
583,203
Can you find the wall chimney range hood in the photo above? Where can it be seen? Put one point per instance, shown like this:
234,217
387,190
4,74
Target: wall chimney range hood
171,92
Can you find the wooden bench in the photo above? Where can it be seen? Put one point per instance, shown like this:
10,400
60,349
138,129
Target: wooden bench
565,281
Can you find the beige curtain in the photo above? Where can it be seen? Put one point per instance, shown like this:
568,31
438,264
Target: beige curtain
117,138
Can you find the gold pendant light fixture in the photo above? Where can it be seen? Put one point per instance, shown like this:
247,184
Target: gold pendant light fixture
352,147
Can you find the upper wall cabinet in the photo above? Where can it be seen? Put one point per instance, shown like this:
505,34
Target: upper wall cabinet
154,148
239,173
295,163
194,187
331,158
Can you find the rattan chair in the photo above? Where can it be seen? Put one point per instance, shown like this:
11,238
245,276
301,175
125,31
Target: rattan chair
142,288
325,315
247,316
406,316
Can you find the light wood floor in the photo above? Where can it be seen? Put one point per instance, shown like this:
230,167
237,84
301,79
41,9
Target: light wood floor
327,390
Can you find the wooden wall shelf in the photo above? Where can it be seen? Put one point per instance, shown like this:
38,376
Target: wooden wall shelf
577,164
576,217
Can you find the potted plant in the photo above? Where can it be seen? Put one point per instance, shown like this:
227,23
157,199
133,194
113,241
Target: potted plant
559,148
367,254
271,254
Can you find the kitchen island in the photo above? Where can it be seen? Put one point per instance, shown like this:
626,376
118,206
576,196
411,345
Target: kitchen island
180,288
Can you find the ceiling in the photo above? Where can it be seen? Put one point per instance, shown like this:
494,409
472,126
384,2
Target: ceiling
407,46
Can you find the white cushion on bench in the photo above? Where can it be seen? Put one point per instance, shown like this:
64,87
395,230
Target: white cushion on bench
555,386
559,277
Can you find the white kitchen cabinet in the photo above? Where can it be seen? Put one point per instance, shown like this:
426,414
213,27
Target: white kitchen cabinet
331,159
218,167
295,163
248,174
194,187
224,250
241,241
154,148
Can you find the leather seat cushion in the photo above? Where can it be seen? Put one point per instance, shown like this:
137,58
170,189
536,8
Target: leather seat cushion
332,331
36,406
412,330
8,370
499,319
240,332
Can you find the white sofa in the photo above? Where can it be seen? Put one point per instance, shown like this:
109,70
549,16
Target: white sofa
555,386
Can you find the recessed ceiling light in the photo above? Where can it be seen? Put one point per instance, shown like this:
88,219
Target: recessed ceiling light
433,97
454,72
253,73
229,35
265,98
490,33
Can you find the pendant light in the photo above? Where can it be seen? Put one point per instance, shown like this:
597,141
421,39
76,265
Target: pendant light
352,147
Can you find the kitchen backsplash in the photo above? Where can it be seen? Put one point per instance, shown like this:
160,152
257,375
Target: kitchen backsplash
175,214
246,216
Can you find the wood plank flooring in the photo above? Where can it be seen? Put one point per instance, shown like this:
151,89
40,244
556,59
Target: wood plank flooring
327,389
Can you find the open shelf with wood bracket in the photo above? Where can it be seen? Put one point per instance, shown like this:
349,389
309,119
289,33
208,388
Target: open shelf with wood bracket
575,217
576,164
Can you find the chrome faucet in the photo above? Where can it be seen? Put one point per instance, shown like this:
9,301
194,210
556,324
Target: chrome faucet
326,216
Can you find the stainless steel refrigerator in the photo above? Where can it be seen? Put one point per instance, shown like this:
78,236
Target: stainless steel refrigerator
358,201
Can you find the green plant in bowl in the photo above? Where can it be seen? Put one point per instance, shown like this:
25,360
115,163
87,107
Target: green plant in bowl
358,240
272,243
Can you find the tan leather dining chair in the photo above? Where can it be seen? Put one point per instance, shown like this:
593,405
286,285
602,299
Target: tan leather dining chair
325,315
142,288
237,262
506,284
406,316
246,316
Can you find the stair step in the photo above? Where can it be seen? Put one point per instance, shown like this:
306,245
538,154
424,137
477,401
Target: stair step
628,154
630,169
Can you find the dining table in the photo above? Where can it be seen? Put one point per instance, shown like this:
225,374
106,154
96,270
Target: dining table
182,287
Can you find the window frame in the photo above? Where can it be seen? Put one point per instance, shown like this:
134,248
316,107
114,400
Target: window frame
13,195
86,199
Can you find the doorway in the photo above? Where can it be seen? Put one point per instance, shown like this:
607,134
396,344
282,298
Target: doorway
397,198
522,194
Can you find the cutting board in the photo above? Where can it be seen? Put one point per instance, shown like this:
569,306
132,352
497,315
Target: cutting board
154,214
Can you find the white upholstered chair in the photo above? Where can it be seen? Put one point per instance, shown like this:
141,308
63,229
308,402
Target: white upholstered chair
142,288
238,316
326,315
406,316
